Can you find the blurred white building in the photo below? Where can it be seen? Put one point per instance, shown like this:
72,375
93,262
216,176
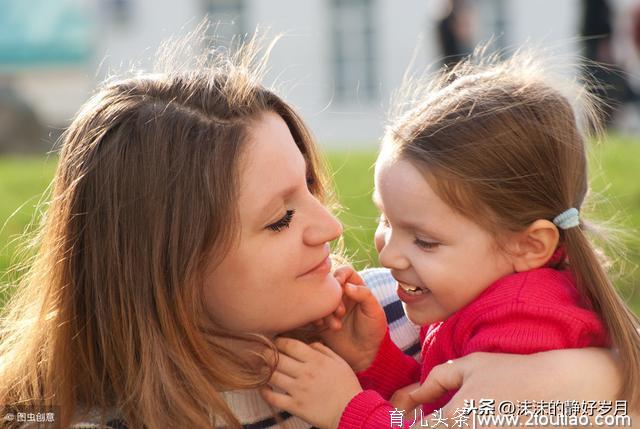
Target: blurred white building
338,61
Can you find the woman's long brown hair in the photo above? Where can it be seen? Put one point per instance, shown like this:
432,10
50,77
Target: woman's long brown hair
504,143
110,315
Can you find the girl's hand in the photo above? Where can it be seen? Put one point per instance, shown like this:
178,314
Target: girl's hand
316,382
363,325
344,274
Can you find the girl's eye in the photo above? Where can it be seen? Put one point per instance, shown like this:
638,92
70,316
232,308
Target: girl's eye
425,244
283,222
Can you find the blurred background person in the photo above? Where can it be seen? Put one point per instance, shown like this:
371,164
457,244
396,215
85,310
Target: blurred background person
609,79
455,31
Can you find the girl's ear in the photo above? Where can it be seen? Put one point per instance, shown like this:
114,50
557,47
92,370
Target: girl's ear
533,247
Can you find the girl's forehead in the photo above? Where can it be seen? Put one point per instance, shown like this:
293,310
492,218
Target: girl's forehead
390,165
397,179
385,160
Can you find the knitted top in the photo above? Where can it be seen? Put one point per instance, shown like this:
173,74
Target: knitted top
521,313
254,413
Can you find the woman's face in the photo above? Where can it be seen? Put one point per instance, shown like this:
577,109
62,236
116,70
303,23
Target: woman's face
276,277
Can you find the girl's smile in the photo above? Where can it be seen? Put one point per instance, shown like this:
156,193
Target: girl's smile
412,294
413,290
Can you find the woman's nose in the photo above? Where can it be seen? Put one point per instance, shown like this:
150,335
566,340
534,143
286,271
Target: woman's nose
322,228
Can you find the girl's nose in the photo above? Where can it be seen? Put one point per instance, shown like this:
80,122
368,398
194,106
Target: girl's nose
390,254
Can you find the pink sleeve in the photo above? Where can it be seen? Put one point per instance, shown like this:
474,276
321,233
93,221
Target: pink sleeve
369,410
525,328
391,369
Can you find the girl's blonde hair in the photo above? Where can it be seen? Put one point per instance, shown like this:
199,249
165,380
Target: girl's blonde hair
503,143
110,315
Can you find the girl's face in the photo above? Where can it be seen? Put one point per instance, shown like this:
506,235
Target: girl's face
276,277
441,259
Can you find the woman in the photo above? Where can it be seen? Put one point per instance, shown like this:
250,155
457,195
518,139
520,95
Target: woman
187,228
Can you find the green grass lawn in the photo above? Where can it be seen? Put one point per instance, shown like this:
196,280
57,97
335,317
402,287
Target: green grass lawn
615,174
23,181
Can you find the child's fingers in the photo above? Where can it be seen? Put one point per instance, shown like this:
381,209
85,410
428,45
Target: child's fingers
356,293
324,350
276,399
330,322
282,381
346,273
340,311
363,296
334,323
355,279
441,379
342,273
295,349
289,366
334,320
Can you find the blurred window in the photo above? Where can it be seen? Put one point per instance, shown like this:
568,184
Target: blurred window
353,57
44,32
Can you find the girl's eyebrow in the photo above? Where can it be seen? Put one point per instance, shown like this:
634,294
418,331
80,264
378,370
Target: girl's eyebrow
375,197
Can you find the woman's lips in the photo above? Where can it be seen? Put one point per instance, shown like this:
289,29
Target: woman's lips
323,268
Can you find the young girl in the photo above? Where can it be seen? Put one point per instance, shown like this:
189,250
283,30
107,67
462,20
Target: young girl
480,185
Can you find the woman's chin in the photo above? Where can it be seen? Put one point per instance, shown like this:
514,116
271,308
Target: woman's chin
318,301
324,303
332,296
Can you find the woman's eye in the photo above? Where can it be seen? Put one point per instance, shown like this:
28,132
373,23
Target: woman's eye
425,244
284,222
310,182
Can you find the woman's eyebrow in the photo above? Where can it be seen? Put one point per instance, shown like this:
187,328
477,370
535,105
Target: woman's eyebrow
269,207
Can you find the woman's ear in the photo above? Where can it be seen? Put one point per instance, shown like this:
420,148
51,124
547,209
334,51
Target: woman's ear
533,247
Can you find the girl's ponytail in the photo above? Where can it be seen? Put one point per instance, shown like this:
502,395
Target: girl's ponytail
622,324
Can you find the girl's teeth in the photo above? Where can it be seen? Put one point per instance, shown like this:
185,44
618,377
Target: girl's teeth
412,290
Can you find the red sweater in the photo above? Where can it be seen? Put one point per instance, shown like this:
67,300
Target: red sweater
522,313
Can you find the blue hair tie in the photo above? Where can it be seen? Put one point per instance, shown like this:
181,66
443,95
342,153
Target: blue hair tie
567,219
